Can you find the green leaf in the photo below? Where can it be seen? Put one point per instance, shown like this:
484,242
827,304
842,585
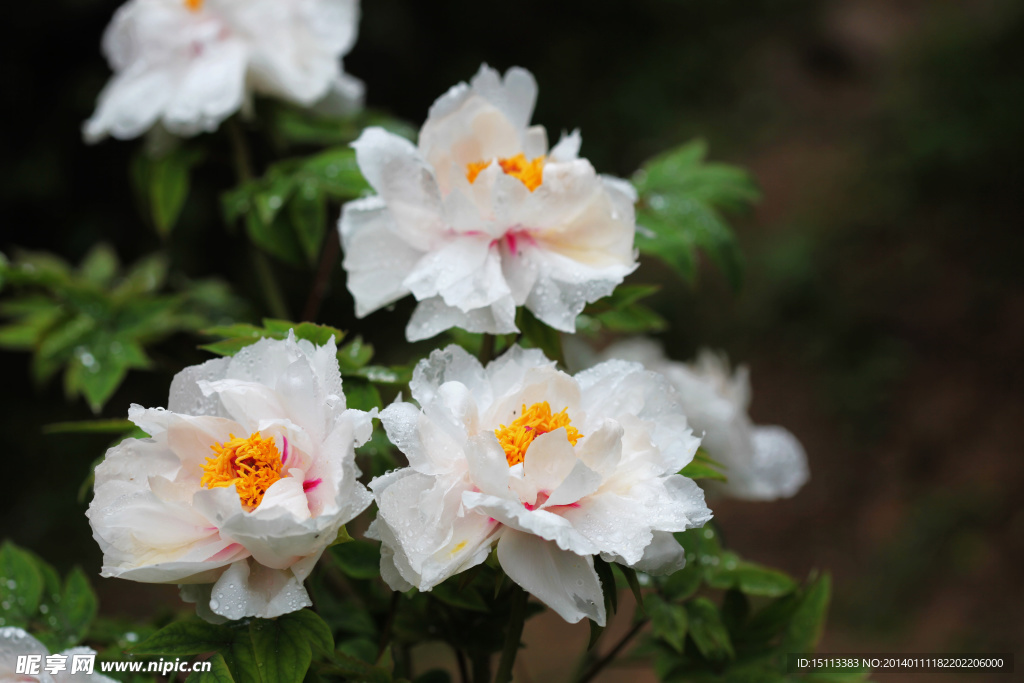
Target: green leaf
754,579
166,179
218,673
336,172
735,610
362,649
681,200
77,607
635,319
282,647
772,619
314,629
707,630
147,275
358,559
467,598
229,347
190,637
698,470
634,584
668,622
21,585
100,265
808,620
539,335
362,395
274,236
354,355
611,591
342,536
24,334
685,582
307,212
316,333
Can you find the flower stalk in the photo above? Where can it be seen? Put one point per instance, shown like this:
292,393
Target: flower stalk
512,636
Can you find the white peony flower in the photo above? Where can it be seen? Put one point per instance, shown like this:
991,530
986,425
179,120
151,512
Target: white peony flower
481,217
554,468
190,64
246,479
764,463
15,642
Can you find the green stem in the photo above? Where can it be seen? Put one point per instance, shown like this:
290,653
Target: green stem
385,636
481,667
275,298
613,653
264,271
240,150
328,262
512,636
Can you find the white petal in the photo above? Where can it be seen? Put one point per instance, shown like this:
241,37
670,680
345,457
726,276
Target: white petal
515,95
663,556
778,468
377,258
567,149
211,90
616,389
488,468
248,589
614,524
433,316
130,104
466,273
398,173
187,398
564,581
580,483
450,364
429,537
601,450
542,523
549,460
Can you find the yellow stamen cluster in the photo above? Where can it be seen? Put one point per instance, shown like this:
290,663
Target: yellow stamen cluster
251,464
530,172
194,5
535,420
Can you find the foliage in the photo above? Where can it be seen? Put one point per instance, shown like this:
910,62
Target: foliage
33,597
682,198
96,321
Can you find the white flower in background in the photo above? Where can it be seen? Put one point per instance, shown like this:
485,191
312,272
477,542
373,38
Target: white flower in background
764,463
15,642
246,479
481,217
554,468
190,64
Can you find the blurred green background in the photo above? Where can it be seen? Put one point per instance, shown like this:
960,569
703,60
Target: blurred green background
882,313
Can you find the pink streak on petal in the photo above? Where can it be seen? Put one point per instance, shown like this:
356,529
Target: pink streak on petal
224,554
310,484
284,458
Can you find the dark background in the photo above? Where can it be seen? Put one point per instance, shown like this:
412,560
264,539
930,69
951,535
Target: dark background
882,313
